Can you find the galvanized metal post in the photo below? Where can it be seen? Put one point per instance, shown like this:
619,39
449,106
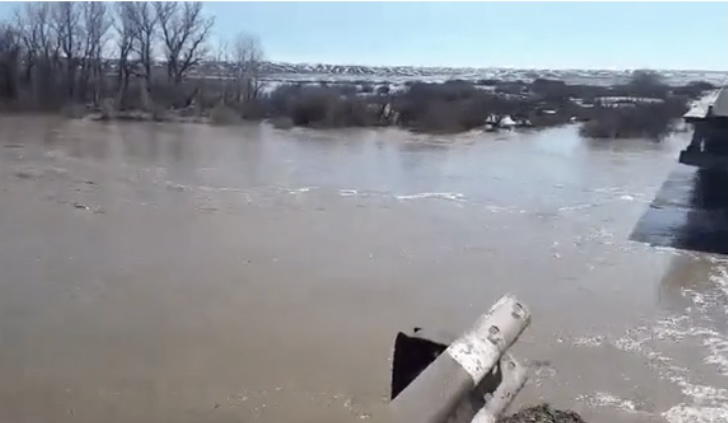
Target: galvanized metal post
453,388
514,377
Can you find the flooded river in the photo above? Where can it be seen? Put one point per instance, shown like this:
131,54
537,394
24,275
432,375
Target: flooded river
182,273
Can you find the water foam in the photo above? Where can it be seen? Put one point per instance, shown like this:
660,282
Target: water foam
589,341
453,196
302,190
717,344
686,414
703,403
605,399
202,188
623,194
577,207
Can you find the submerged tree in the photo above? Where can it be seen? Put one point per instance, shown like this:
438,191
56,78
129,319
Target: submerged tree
247,56
648,83
184,32
97,22
141,23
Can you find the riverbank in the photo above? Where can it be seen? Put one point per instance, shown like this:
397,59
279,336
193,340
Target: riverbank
642,108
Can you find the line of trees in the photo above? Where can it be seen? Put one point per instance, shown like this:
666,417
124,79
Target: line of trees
644,106
130,57
54,54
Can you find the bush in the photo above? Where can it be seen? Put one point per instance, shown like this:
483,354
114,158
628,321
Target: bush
108,109
554,90
487,82
367,88
321,106
282,123
646,83
694,89
458,106
223,115
653,120
346,89
311,106
73,111
451,106
383,90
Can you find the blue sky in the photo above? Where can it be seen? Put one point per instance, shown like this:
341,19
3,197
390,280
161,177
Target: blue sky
609,35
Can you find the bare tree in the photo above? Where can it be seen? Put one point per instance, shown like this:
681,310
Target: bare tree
34,22
221,56
66,23
124,27
10,50
184,32
248,55
41,48
97,22
648,83
142,23
646,77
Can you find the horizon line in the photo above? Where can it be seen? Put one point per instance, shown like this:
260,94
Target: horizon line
496,67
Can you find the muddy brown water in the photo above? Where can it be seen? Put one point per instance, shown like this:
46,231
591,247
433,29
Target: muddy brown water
187,273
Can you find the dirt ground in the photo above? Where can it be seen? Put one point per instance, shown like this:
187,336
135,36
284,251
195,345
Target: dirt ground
542,414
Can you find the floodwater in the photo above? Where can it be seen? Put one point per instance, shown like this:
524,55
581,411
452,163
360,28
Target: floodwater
186,273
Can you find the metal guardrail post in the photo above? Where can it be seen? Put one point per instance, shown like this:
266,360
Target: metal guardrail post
514,377
474,379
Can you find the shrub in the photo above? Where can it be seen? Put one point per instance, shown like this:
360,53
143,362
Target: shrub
311,106
282,123
73,111
694,89
321,106
646,83
223,115
450,106
346,89
367,88
654,120
108,109
487,82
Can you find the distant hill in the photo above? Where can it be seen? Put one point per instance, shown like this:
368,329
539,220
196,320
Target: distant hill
394,73
280,71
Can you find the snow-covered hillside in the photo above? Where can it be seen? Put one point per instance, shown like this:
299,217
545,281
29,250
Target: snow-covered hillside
328,72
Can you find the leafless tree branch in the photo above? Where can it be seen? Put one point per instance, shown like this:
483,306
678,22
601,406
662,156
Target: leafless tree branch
184,32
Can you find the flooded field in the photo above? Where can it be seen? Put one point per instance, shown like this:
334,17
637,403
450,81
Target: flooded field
182,273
